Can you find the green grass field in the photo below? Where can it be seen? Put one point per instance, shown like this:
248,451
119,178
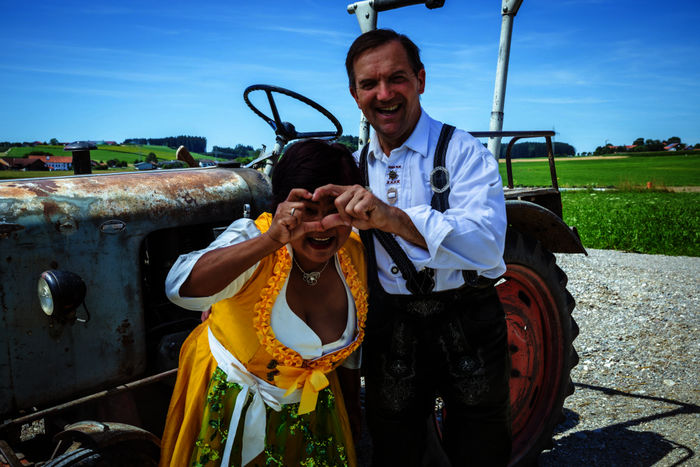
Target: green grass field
105,153
625,172
652,222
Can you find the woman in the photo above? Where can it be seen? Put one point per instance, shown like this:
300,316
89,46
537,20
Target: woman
256,383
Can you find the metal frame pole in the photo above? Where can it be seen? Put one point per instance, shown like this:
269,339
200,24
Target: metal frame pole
508,11
367,18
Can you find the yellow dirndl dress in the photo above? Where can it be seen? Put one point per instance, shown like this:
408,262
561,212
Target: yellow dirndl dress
312,430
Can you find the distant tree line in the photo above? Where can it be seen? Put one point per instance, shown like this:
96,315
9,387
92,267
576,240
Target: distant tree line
246,153
352,142
192,143
531,149
645,145
5,145
240,151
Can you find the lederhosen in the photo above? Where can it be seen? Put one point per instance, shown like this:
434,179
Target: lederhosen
450,343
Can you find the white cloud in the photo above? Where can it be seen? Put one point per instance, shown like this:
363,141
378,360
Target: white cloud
328,33
561,100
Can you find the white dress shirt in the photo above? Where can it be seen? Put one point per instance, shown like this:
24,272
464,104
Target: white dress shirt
470,235
289,329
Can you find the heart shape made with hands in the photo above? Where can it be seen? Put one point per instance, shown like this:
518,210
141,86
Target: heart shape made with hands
324,200
355,206
324,204
316,214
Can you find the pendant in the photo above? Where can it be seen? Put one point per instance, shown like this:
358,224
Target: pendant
311,278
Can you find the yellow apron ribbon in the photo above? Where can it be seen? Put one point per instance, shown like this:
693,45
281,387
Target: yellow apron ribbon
313,381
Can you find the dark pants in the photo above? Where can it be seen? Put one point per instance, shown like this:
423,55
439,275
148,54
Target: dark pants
452,344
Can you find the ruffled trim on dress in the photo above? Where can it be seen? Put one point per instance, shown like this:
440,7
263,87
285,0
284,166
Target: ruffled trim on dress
263,311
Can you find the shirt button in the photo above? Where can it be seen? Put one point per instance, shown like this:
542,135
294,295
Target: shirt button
394,269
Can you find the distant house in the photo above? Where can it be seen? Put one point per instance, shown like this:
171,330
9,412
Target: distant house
111,143
631,146
26,163
56,162
4,165
207,163
671,147
144,166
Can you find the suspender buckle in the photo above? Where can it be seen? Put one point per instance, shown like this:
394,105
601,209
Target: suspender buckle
435,179
420,283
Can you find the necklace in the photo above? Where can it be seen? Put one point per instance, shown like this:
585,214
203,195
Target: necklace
311,278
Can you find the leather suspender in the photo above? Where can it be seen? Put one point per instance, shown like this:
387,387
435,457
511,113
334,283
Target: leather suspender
439,176
417,282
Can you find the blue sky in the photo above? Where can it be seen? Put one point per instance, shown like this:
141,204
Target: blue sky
595,71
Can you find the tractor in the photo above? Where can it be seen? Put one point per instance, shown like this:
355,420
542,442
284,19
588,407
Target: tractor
89,342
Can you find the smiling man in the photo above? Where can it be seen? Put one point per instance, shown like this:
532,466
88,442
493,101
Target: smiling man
433,223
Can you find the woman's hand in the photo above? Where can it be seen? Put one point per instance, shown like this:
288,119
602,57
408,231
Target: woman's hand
288,222
218,268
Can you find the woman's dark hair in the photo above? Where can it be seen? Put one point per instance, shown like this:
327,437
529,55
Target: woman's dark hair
310,164
378,37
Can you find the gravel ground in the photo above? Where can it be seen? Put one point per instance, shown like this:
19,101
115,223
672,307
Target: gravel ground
637,399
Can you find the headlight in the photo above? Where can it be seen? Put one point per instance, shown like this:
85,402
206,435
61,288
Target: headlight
45,298
60,292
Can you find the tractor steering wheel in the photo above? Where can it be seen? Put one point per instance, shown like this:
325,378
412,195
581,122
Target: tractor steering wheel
285,130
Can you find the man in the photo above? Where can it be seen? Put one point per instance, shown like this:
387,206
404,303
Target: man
421,342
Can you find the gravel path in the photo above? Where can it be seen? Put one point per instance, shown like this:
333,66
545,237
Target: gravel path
637,399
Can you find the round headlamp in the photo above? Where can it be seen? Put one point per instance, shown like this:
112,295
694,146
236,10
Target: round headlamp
60,292
45,297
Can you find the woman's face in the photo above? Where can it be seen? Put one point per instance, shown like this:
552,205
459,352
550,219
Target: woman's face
314,248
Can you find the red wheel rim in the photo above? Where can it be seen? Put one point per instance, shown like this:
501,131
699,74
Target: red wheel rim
536,345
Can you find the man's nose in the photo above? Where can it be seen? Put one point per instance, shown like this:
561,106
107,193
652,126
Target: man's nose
384,91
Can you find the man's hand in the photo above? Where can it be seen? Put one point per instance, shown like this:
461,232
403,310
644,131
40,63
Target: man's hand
356,206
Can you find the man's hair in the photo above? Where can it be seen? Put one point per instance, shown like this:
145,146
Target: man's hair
376,38
310,164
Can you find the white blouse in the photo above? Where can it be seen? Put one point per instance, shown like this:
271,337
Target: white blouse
289,329
294,333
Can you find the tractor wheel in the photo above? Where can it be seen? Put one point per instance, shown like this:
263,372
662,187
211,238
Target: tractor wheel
541,332
142,453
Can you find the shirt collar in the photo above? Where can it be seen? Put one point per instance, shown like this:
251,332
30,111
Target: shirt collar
417,141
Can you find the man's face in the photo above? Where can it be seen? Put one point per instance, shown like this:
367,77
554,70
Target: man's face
387,91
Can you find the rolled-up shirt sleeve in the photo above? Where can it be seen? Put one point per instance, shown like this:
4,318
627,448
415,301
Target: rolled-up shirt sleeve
470,235
239,231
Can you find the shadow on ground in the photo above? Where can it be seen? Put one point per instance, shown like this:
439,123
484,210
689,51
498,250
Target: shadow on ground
617,444
613,445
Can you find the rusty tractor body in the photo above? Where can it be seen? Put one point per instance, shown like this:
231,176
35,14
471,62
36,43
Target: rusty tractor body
119,234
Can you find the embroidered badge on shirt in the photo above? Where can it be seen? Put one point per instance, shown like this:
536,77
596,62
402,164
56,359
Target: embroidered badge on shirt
393,181
392,195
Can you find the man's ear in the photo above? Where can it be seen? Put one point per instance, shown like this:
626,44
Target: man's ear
421,80
353,91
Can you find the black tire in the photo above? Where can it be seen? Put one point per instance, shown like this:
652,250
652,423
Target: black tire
541,332
125,454
77,457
